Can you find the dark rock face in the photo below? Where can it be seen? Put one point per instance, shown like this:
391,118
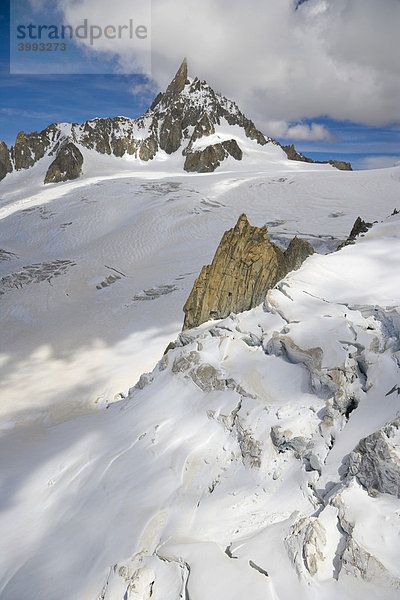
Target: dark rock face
179,81
67,164
233,149
193,104
207,160
5,161
148,149
204,127
341,165
96,135
375,462
292,154
358,228
297,252
28,149
245,266
110,136
171,134
156,100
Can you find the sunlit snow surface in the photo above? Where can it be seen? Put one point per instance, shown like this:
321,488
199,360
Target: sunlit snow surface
139,498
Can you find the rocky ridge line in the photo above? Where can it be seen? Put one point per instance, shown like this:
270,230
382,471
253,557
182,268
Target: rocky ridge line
292,154
188,110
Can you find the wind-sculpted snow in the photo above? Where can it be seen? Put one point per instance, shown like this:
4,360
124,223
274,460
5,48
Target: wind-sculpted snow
130,237
231,469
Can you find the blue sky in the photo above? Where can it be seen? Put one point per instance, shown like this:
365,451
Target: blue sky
30,103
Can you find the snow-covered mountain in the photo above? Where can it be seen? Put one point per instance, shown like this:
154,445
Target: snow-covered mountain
190,119
260,455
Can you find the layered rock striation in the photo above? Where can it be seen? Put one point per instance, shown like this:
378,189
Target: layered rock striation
245,266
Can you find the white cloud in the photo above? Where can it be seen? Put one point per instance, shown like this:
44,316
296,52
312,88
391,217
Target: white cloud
300,131
144,91
379,162
335,58
27,114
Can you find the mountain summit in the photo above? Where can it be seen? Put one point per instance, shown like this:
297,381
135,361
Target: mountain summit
189,117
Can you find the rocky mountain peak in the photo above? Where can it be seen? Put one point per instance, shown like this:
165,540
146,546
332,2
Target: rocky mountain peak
243,224
179,81
189,118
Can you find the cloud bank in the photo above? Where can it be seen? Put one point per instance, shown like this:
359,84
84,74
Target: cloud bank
314,132
379,162
283,62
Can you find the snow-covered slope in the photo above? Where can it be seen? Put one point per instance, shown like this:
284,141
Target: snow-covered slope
77,333
236,468
228,471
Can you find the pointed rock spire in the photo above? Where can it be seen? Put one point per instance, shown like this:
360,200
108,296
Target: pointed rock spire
179,81
245,266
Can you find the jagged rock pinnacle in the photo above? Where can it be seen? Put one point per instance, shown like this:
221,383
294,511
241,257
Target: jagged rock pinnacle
245,266
178,83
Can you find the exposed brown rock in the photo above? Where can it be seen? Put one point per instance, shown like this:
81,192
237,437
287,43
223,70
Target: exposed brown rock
67,164
341,165
292,154
297,252
204,127
5,161
148,149
233,149
96,135
207,160
171,134
253,133
245,266
156,100
179,81
29,148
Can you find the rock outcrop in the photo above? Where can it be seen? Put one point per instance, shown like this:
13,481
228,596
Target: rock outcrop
245,266
29,149
5,161
207,160
178,83
375,462
360,227
67,164
292,154
297,252
339,164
